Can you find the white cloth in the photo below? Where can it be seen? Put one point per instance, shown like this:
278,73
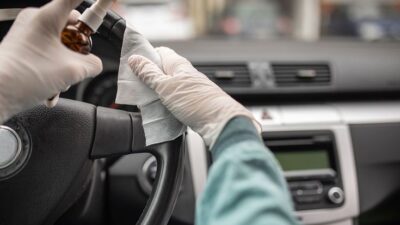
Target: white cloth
158,123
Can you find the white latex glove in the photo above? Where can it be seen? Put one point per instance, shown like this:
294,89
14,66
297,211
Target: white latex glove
34,64
191,97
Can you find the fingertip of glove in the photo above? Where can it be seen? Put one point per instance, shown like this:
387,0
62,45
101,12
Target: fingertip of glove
137,63
98,68
134,61
92,64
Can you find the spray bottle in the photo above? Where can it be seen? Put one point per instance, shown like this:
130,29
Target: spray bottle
77,36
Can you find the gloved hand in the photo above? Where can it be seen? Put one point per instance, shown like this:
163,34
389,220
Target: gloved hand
34,64
191,97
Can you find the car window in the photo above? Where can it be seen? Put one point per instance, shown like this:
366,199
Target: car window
311,20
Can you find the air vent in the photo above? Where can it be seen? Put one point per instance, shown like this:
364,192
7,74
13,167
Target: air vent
301,74
227,75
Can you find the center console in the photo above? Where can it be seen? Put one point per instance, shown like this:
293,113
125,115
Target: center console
313,146
319,166
311,166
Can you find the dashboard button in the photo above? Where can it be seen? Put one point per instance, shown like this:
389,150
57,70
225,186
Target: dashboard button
307,199
306,188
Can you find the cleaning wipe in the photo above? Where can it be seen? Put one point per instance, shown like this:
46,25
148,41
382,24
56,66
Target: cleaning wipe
158,123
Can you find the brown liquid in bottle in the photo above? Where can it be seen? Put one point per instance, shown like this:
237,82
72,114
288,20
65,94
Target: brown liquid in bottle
77,37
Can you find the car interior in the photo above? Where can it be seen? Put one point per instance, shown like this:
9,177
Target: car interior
329,107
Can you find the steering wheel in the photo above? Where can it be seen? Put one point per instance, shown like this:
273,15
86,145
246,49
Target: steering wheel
47,155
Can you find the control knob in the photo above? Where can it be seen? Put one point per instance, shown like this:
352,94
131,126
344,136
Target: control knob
336,195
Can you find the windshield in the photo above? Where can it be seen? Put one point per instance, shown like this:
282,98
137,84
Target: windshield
310,20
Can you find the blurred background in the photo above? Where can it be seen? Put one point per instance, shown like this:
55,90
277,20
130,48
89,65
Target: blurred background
309,20
327,65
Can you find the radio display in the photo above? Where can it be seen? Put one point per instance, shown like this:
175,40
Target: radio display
303,159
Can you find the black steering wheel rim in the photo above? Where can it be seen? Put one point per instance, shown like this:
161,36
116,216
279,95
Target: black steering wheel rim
41,123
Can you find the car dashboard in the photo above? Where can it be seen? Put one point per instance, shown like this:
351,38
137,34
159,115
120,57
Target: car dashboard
330,112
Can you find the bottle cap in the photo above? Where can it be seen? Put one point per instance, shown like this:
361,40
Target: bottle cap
93,17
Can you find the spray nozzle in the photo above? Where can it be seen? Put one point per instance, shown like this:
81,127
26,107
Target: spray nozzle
93,16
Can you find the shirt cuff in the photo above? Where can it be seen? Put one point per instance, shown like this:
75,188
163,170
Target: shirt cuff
238,129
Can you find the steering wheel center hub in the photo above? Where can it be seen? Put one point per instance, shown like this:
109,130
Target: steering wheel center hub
10,147
15,149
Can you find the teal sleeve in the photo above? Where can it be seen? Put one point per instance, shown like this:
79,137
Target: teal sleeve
245,183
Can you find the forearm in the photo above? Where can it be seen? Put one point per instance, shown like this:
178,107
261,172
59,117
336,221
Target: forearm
245,183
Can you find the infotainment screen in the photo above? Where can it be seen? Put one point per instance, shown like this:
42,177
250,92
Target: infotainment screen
303,159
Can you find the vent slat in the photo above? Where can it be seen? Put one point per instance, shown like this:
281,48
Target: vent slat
293,74
236,73
295,71
299,65
236,78
303,80
227,75
303,84
225,68
222,68
301,68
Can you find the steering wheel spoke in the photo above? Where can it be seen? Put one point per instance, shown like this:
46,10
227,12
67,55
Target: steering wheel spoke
120,133
117,133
